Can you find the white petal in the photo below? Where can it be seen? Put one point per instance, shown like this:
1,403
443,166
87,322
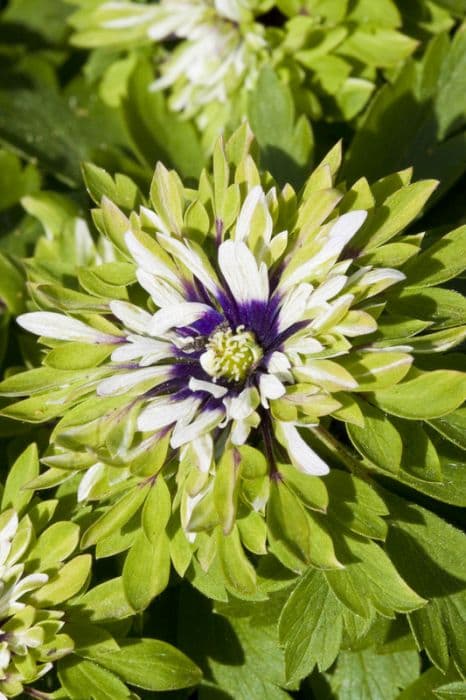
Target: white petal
61,327
29,583
383,274
148,261
239,267
344,229
149,350
332,313
150,218
120,383
326,373
206,421
229,9
133,317
177,316
8,531
194,259
327,290
294,305
255,198
303,343
390,348
270,387
162,412
5,656
215,389
90,478
303,457
240,432
162,291
241,406
203,448
340,233
46,668
278,362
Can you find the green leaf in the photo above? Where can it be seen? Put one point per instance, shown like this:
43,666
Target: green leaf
377,370
226,488
240,655
443,307
157,132
420,457
286,146
119,190
55,544
288,527
60,140
12,286
310,626
26,468
152,664
86,680
378,440
146,570
429,395
379,47
451,490
15,180
422,687
106,602
452,691
410,120
396,212
357,505
366,675
429,554
74,355
156,510
239,572
66,583
115,517
439,263
90,640
46,19
453,427
311,489
457,7
370,580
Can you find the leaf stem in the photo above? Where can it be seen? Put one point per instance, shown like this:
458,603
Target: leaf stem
339,451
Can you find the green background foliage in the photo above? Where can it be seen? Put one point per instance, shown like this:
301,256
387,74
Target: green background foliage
360,592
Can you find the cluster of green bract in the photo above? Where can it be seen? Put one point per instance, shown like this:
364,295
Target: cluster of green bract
332,54
246,472
231,398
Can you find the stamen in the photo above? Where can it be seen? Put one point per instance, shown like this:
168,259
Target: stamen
231,355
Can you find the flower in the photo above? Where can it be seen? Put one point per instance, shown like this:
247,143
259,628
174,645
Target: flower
236,324
209,54
30,637
251,329
219,53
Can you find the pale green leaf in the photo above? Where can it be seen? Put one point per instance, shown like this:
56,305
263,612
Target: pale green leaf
152,664
429,395
25,469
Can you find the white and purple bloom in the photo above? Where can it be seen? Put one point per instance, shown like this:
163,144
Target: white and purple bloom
209,52
236,319
238,336
30,637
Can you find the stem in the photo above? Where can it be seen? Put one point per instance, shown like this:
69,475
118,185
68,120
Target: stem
268,445
339,451
33,693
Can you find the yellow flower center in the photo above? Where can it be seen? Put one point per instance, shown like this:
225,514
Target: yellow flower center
230,355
